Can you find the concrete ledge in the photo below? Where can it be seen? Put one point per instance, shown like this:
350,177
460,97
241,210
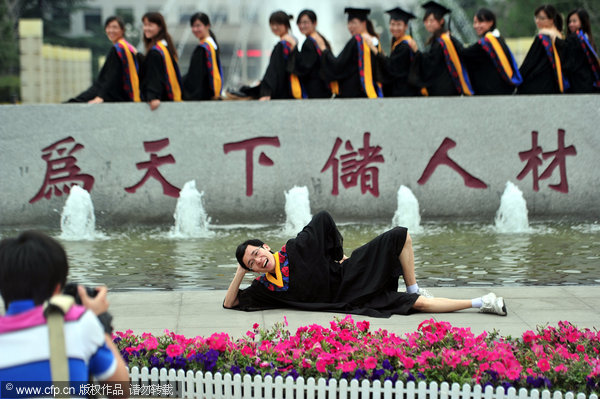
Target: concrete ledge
244,155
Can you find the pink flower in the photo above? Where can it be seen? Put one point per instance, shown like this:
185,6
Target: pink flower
370,362
255,326
247,351
321,366
580,348
561,368
150,343
363,326
174,350
218,341
285,322
543,364
347,367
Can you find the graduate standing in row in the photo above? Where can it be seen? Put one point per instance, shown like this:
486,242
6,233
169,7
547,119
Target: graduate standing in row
118,79
542,68
355,68
160,79
278,81
396,67
490,63
581,59
204,79
307,62
440,69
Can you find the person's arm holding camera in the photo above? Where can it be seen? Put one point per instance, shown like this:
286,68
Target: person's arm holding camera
99,306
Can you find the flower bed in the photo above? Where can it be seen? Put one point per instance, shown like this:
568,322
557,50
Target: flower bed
562,358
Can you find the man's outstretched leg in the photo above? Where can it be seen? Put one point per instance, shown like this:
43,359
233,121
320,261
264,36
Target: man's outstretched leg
489,303
407,260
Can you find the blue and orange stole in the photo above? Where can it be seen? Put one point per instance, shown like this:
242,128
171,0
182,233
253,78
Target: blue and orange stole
280,281
213,64
550,47
503,61
365,69
173,81
298,91
590,55
131,80
333,86
457,70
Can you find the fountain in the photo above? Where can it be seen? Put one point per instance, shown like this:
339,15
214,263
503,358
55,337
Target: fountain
297,210
511,217
407,212
191,220
77,221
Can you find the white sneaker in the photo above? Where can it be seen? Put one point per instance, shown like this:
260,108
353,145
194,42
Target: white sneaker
493,304
423,292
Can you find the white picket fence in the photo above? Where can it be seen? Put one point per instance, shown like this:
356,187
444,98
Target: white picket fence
208,386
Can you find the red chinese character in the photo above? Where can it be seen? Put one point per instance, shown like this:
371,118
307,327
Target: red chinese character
355,165
61,168
440,157
248,146
152,166
534,162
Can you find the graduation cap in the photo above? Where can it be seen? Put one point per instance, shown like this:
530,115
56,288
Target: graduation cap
359,13
400,15
437,9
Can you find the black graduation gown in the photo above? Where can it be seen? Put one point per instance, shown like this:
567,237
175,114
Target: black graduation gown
433,72
485,78
307,66
537,72
366,283
394,72
109,85
196,84
344,70
577,68
153,77
276,82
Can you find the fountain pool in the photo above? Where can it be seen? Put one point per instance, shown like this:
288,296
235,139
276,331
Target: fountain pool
447,253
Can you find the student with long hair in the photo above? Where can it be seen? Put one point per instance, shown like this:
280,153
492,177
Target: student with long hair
491,65
542,68
160,72
581,58
440,69
307,62
396,67
204,79
118,79
355,69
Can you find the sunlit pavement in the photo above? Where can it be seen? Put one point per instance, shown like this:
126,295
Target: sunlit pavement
193,313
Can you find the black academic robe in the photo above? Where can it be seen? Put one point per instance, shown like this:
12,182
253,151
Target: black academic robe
276,82
109,84
366,283
433,72
196,84
538,75
394,72
577,68
153,77
485,78
344,70
307,66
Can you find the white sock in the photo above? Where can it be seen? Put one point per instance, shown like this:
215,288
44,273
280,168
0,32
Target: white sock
476,303
411,289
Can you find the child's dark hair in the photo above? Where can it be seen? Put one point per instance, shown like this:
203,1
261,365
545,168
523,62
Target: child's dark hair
118,19
31,267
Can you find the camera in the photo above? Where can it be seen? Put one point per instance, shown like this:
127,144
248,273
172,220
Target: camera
105,318
71,290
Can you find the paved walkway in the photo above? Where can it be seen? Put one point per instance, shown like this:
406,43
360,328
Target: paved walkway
193,313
